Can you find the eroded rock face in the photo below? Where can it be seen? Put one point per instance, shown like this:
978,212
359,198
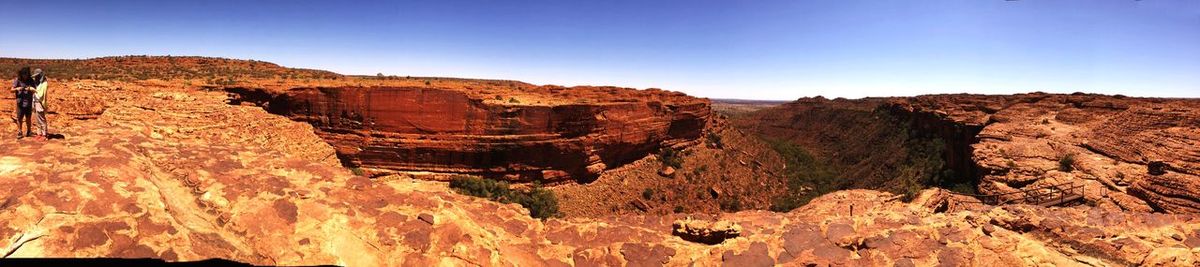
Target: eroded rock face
873,142
1108,143
442,130
1138,154
180,175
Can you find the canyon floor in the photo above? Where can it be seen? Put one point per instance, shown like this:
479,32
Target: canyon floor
171,169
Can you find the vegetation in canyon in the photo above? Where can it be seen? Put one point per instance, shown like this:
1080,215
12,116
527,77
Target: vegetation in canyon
540,202
916,164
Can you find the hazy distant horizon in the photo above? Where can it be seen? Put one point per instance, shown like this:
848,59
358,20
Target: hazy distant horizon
762,50
569,85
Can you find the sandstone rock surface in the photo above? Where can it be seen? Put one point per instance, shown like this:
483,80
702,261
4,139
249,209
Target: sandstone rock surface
1137,154
180,175
154,169
1111,142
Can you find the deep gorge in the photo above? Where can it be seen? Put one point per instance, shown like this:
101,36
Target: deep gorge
868,144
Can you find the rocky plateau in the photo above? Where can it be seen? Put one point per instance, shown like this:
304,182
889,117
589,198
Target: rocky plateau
262,171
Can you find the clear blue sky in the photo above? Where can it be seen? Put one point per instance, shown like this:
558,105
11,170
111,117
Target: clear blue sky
721,49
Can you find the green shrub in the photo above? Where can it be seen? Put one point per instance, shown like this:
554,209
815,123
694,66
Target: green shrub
715,140
671,157
479,187
731,204
678,209
540,202
963,188
647,194
357,171
910,191
787,203
783,204
806,177
1066,163
920,165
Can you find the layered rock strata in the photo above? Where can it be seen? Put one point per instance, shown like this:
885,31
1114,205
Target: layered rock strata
179,175
1139,154
871,143
412,129
1106,143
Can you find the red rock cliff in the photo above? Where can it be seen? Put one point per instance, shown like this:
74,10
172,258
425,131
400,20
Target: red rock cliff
384,129
178,175
1136,154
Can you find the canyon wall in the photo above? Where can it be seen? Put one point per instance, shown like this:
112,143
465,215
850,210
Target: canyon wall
956,138
1139,154
872,143
180,175
413,129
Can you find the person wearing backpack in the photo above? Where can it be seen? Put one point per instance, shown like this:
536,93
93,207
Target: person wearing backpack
39,103
23,88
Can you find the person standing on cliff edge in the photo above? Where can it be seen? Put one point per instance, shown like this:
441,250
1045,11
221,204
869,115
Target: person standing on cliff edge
23,88
39,103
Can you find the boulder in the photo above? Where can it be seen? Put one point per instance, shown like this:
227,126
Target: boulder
705,232
1156,168
667,171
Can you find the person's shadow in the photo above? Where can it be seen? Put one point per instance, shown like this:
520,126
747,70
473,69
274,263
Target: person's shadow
56,136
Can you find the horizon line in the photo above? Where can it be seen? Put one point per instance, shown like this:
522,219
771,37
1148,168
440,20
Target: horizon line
1035,91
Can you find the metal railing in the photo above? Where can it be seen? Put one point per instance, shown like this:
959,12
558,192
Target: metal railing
1046,195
